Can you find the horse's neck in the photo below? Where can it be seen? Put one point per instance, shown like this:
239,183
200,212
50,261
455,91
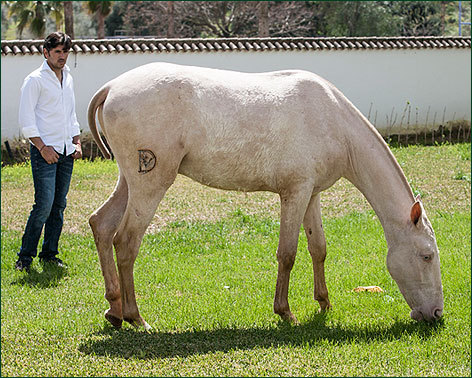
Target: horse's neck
375,172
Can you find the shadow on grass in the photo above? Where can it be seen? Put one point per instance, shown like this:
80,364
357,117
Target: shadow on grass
50,276
130,343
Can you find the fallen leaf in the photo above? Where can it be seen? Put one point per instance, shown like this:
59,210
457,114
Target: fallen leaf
371,289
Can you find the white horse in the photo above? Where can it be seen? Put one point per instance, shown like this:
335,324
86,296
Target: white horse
288,132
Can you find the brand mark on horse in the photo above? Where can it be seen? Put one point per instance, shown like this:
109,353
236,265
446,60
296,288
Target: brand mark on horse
147,161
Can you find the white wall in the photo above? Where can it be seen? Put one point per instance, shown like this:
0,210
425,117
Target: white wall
435,82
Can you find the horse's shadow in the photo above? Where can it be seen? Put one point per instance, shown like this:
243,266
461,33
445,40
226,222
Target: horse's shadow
129,343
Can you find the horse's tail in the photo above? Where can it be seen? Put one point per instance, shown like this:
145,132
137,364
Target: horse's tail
97,103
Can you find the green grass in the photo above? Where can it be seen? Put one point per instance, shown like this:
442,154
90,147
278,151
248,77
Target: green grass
205,280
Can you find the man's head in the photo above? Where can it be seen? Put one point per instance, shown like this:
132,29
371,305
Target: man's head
56,49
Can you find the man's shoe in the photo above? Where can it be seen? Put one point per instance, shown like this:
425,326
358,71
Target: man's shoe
22,266
53,261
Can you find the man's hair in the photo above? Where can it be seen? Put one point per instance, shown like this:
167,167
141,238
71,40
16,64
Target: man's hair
55,39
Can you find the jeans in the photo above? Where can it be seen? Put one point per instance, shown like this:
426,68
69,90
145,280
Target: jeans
51,184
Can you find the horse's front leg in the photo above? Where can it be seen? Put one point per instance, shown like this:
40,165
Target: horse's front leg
293,207
317,247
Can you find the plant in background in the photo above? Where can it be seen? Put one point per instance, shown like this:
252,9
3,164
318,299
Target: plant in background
32,15
416,191
101,9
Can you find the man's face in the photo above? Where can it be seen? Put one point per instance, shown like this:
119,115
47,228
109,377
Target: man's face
57,57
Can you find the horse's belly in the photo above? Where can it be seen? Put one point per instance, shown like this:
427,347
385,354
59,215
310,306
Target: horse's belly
228,174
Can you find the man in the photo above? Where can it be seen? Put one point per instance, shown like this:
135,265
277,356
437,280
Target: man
47,117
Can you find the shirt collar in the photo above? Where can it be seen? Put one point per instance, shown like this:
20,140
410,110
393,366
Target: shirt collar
45,67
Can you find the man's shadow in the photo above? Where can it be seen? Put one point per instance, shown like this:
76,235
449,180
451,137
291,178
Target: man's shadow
131,343
50,276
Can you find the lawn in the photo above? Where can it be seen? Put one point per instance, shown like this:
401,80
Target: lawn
205,281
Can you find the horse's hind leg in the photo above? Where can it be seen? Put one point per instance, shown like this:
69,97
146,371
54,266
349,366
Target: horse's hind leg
317,247
104,223
145,194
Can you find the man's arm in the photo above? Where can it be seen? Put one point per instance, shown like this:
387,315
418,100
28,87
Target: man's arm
30,92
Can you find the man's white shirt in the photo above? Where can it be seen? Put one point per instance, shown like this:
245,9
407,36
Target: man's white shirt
47,109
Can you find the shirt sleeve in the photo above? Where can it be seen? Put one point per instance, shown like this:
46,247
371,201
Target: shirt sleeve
73,117
30,92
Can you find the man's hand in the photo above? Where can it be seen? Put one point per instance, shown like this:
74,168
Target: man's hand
78,151
49,154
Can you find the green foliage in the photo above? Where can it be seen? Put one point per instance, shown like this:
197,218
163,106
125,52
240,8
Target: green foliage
361,18
84,25
240,19
462,176
102,7
33,15
416,190
418,17
115,20
464,151
100,10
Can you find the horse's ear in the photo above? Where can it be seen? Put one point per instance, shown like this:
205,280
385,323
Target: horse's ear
416,211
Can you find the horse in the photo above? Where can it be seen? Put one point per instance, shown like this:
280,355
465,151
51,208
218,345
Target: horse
289,132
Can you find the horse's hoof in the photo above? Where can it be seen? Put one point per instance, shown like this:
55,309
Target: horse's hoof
289,318
140,322
324,307
116,322
147,327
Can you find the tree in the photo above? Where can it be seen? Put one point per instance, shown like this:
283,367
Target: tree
419,18
101,9
170,20
31,14
69,18
226,19
5,20
55,10
263,18
158,19
296,18
145,18
115,21
222,18
363,18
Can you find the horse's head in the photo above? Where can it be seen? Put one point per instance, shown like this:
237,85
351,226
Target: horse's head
413,262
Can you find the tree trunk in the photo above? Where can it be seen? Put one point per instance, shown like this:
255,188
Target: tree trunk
170,20
263,19
443,16
354,19
101,26
69,19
